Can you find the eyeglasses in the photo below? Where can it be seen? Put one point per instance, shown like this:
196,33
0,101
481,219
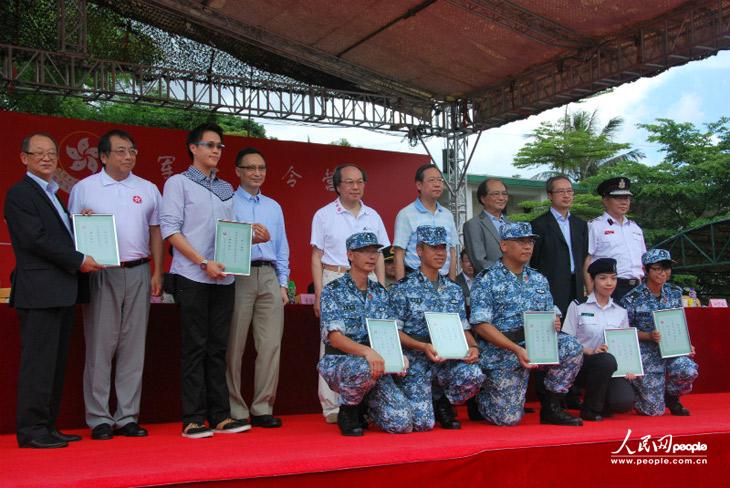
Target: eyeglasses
42,155
123,151
210,144
253,169
435,180
524,241
660,269
568,191
498,193
353,182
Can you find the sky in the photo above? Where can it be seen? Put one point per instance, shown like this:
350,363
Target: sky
697,92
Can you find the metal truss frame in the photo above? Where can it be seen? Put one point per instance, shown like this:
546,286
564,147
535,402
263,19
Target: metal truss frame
689,33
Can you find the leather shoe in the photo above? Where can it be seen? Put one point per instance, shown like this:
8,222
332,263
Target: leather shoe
132,429
56,434
46,441
265,421
102,432
591,416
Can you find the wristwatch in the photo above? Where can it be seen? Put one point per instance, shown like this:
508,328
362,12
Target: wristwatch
204,264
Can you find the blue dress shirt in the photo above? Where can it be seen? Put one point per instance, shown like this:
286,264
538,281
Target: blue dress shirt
564,224
265,211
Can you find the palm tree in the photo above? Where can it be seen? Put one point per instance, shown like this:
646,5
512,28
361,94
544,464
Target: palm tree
576,146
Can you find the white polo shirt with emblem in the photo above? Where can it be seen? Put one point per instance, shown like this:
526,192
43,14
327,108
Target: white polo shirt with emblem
333,224
134,202
623,242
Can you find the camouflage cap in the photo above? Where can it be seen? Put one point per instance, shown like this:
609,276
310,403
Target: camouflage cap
431,235
360,240
516,230
656,256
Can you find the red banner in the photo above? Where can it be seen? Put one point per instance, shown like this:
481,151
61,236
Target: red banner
299,175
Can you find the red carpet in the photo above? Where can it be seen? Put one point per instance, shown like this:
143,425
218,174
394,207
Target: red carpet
307,451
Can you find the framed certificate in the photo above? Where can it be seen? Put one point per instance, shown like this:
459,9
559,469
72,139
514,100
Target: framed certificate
233,246
672,325
96,235
384,338
541,338
623,344
447,334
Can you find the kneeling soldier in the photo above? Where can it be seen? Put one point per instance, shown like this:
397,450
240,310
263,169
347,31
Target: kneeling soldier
349,366
664,380
499,296
428,291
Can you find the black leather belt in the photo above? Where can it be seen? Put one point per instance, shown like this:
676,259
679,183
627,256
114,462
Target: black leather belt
258,264
516,335
136,262
631,282
337,352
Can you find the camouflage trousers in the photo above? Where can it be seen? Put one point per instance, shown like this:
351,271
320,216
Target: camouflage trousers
675,378
457,380
502,398
388,407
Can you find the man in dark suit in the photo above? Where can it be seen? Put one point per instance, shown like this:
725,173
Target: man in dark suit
44,290
481,232
562,247
466,277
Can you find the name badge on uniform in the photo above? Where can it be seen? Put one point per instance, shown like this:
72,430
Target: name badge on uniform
587,314
607,232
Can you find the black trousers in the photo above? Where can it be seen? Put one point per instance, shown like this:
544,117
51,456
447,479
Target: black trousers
205,318
601,391
44,338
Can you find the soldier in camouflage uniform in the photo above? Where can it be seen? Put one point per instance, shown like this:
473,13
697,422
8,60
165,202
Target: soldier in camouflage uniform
427,291
499,296
664,380
350,367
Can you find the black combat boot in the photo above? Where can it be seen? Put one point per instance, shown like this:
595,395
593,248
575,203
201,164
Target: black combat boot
348,420
472,409
362,411
676,408
552,413
445,414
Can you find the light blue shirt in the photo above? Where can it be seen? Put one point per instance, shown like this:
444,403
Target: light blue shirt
497,222
265,211
415,214
191,205
564,224
51,187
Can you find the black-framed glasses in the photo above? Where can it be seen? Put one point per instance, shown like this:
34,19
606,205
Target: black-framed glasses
568,191
210,144
497,193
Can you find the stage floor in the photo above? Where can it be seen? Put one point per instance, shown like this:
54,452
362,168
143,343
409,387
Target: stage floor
306,446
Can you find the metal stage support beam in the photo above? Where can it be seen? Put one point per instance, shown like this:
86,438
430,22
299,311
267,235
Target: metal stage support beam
455,166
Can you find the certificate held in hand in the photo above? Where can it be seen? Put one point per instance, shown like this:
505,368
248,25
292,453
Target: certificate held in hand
623,345
541,338
233,246
95,235
384,338
672,325
447,334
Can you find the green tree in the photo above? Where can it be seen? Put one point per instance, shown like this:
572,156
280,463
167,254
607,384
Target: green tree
341,142
575,145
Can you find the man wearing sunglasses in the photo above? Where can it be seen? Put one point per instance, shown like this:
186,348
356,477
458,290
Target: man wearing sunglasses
115,320
192,202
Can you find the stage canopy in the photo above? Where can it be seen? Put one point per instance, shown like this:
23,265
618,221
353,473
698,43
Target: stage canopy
498,60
